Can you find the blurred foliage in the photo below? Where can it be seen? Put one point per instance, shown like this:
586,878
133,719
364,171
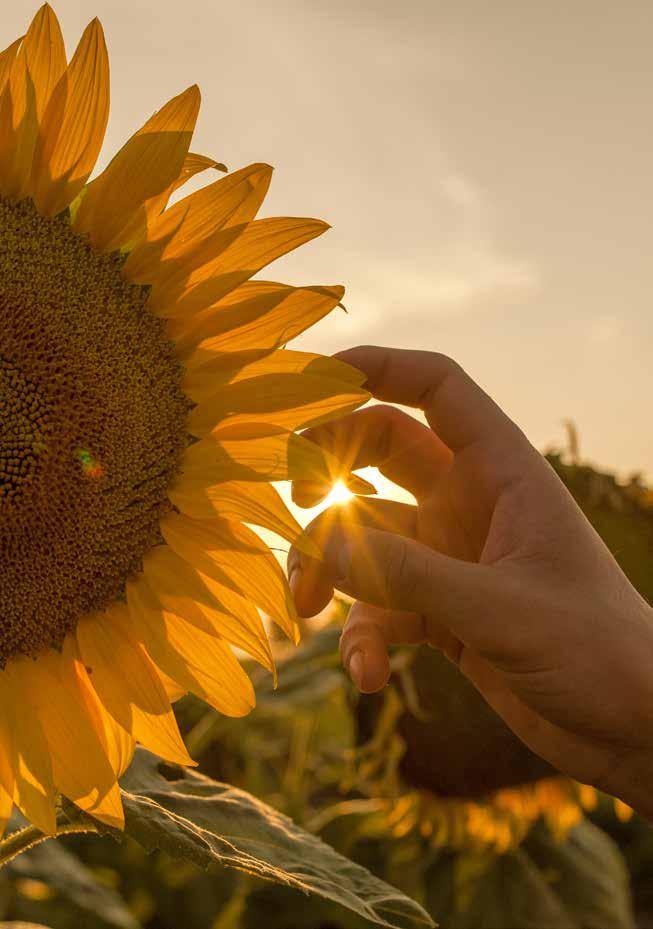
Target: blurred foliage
424,786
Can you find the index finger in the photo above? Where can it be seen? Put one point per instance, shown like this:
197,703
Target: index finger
456,408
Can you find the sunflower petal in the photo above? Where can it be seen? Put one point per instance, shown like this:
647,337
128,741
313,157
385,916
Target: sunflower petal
223,261
202,664
213,609
263,452
24,747
257,315
195,164
7,58
18,129
242,501
136,231
236,557
128,685
289,400
6,808
46,55
66,708
74,125
207,371
36,71
229,201
143,168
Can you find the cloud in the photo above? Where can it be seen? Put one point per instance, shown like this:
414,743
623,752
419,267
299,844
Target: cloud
459,266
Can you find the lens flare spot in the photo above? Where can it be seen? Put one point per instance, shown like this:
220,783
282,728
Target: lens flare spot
91,467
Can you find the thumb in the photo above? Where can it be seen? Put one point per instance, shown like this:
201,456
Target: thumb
398,573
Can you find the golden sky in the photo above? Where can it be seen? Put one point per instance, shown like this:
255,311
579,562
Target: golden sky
487,169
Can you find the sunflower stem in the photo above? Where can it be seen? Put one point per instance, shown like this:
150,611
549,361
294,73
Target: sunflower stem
24,839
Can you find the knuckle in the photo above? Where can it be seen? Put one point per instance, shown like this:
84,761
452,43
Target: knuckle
409,576
449,365
398,569
355,634
365,348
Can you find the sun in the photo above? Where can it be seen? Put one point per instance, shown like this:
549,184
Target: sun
148,405
339,495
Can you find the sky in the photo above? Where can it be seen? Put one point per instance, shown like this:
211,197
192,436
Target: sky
486,169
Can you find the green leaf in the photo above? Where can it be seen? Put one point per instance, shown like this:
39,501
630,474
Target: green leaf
60,869
192,817
13,925
588,873
489,891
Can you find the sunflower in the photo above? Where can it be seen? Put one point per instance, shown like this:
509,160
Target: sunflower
147,407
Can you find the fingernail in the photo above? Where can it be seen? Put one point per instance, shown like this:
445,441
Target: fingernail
337,556
356,668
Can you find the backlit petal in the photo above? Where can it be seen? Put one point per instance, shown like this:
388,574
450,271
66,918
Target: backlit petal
74,125
46,56
234,556
242,501
211,608
229,201
258,315
201,663
262,452
195,164
143,168
6,808
127,683
223,261
25,749
18,129
67,710
136,230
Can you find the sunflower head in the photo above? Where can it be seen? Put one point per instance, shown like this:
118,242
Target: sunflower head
147,406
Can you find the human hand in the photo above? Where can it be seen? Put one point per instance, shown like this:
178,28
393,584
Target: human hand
495,565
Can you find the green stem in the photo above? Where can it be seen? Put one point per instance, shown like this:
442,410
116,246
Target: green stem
21,841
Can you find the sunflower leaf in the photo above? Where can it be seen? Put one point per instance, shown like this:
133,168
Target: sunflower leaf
61,870
192,817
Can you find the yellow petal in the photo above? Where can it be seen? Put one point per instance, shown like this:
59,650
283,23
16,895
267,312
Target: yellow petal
263,452
118,744
256,315
180,589
136,230
24,747
143,168
225,260
236,557
7,58
67,710
229,201
46,56
289,400
172,688
259,504
202,664
6,808
35,71
74,125
208,371
195,164
18,129
128,685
